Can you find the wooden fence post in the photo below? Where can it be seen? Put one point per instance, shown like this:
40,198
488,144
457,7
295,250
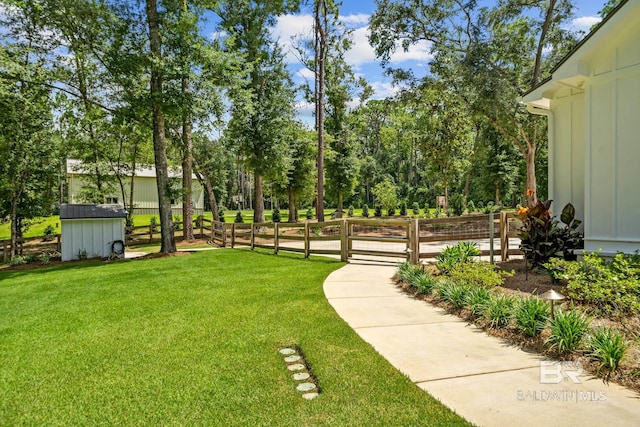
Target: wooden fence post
276,239
504,239
58,244
344,239
307,245
150,233
491,236
202,228
415,240
224,235
5,253
253,236
233,235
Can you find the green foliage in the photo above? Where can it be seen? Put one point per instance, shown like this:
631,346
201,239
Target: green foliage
477,300
416,208
612,286
607,346
568,328
154,223
221,213
177,222
350,211
18,260
45,257
386,195
499,311
425,284
481,274
365,211
82,254
391,212
490,208
275,215
458,204
309,213
49,233
378,211
238,219
454,293
408,272
541,236
403,209
460,253
471,207
531,315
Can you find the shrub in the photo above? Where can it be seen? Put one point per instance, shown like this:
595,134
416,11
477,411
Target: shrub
365,211
452,256
391,211
378,211
531,315
499,310
613,286
567,330
18,260
541,236
129,224
177,222
221,213
477,299
275,215
416,208
309,214
489,208
350,211
154,224
82,254
471,207
409,273
454,293
425,284
49,233
427,211
481,205
481,274
607,346
458,204
403,209
438,212
238,219
44,258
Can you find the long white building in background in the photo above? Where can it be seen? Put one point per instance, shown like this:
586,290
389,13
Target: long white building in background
145,190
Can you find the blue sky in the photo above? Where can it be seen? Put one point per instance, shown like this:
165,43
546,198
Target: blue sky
355,14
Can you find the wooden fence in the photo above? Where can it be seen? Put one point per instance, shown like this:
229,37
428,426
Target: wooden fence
410,239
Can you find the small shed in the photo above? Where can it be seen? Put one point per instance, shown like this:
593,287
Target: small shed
90,231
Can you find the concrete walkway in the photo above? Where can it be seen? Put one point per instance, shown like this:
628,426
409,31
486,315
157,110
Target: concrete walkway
482,378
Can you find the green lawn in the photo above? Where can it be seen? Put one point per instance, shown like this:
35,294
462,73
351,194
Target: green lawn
190,340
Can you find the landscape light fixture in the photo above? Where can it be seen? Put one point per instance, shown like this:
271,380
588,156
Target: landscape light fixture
552,296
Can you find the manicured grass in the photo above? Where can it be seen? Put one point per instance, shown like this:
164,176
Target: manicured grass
190,340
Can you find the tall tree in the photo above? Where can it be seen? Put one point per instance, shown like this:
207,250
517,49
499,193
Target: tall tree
259,125
491,56
168,243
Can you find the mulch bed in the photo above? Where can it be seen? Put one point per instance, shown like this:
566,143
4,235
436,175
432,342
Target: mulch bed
524,283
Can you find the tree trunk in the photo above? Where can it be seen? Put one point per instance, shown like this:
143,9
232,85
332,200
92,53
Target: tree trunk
131,184
320,58
532,195
187,170
340,207
293,212
168,243
204,179
258,199
14,228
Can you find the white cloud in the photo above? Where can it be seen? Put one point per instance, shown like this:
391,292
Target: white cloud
290,27
584,23
384,89
417,52
361,51
355,19
306,73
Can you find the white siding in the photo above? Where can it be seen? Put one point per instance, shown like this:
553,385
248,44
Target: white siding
94,236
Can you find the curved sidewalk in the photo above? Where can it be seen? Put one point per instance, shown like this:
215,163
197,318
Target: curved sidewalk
482,378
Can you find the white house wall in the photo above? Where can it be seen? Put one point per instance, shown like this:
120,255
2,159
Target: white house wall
94,236
144,189
567,151
613,146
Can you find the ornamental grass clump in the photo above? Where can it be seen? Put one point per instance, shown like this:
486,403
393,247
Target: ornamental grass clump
477,300
425,284
453,293
531,316
607,346
568,329
453,256
499,311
